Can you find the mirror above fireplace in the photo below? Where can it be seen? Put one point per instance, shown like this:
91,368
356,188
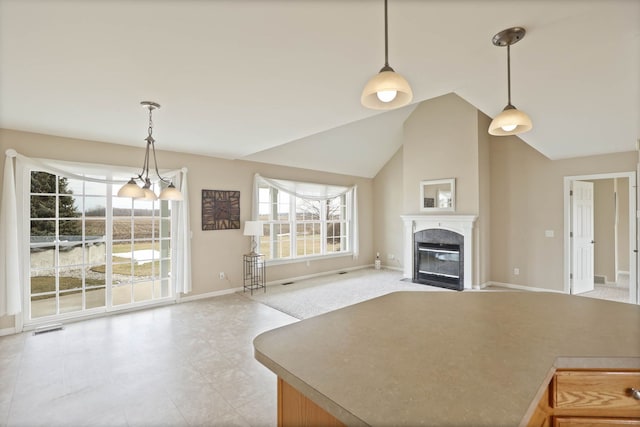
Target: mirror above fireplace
438,195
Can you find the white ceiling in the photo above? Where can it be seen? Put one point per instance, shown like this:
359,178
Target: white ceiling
279,81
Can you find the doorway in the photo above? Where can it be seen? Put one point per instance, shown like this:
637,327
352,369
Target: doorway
600,236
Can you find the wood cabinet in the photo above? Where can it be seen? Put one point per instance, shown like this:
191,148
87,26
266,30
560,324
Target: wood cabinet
589,398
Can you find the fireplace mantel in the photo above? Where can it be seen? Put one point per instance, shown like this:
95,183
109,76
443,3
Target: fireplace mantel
462,224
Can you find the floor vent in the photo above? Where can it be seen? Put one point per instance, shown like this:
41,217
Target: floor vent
287,283
47,328
342,272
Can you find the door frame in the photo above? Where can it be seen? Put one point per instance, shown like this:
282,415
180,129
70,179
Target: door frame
633,281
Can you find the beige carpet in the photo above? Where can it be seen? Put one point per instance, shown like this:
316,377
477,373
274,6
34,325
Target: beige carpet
612,292
311,297
319,295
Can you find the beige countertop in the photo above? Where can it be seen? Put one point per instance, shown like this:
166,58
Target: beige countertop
441,358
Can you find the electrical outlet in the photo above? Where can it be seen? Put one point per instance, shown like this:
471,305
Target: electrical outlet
221,275
391,256
516,271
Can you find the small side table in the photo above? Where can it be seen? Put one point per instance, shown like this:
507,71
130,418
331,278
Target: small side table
254,272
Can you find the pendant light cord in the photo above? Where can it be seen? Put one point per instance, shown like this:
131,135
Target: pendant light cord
509,73
386,36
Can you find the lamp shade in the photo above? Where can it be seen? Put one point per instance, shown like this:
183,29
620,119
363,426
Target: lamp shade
253,228
149,194
385,82
510,121
170,193
131,189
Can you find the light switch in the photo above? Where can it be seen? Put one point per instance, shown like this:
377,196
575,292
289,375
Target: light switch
548,233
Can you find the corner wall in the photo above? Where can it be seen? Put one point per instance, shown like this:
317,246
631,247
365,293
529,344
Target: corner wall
526,200
387,208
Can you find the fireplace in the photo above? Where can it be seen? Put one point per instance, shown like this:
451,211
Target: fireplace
438,258
440,237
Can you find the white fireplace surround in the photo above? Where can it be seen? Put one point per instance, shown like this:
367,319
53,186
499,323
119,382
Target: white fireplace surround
462,224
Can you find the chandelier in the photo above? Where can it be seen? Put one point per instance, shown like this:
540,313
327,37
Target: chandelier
144,192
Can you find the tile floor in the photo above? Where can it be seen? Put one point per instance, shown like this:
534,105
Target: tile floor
188,364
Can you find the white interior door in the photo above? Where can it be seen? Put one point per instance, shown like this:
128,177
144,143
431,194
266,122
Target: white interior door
582,240
634,276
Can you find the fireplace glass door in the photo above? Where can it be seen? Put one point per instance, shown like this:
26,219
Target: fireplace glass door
439,264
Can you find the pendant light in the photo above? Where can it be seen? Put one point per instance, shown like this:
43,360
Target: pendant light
510,121
387,89
131,188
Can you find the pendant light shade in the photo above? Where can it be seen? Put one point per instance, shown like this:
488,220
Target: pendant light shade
387,89
131,188
510,121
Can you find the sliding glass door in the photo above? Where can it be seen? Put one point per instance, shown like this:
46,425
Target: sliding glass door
90,251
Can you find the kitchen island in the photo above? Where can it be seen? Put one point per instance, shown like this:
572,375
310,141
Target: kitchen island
440,358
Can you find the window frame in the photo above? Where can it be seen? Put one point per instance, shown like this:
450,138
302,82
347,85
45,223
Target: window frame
347,237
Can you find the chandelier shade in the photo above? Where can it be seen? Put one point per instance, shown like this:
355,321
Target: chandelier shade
170,193
387,89
510,121
131,188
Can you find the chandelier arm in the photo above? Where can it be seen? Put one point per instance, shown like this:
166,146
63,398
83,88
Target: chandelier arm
155,162
145,167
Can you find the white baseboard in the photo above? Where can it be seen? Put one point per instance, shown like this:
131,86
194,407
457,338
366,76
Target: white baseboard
7,331
311,276
187,298
392,267
520,287
623,272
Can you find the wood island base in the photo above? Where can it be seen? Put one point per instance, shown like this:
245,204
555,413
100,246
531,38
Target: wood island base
296,410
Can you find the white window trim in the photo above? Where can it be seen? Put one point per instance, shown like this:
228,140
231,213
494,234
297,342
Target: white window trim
312,191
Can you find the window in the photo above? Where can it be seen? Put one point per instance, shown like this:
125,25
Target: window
89,249
304,220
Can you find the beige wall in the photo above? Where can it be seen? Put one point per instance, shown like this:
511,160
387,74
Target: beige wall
483,224
527,199
441,141
622,190
604,229
387,208
212,251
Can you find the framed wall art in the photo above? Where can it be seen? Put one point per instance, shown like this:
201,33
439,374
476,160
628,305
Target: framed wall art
220,210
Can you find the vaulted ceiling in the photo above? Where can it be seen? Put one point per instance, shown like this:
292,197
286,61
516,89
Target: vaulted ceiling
279,81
